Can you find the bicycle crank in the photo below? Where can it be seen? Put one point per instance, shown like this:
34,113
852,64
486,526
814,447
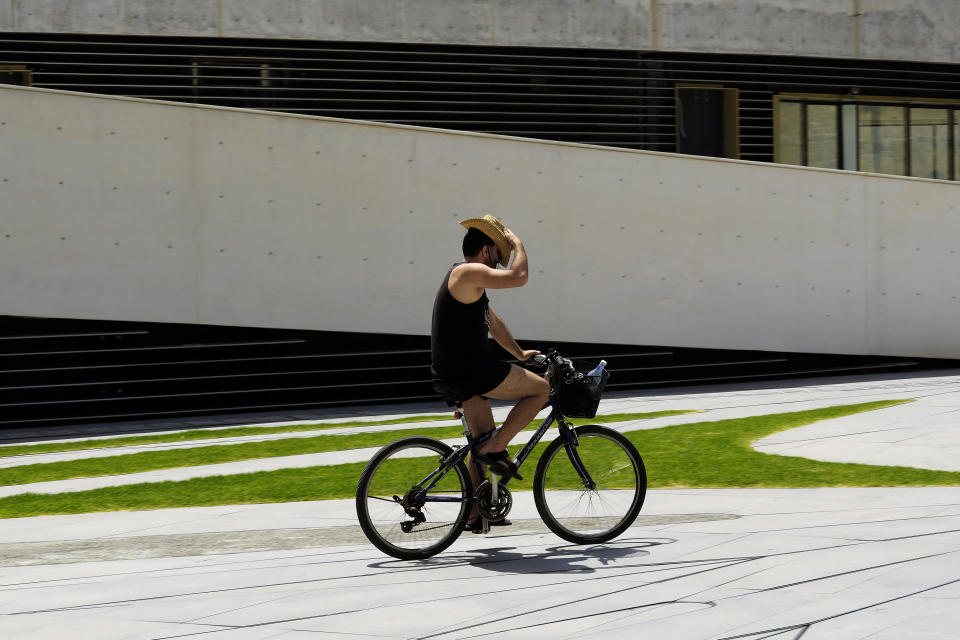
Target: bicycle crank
493,510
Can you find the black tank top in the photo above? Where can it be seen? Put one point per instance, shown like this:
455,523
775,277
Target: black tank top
459,334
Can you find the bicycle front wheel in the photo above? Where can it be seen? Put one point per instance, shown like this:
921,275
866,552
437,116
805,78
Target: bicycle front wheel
396,514
595,505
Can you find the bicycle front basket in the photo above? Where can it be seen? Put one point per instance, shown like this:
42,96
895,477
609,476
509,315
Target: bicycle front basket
578,395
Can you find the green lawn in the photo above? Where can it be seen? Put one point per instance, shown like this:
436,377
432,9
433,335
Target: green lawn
213,454
704,454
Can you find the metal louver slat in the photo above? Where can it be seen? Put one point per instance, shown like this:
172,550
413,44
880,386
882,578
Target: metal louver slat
615,98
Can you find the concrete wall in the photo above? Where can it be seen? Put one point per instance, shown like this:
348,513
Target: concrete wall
927,30
135,210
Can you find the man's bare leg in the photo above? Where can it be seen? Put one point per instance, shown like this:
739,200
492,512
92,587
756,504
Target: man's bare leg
531,390
479,420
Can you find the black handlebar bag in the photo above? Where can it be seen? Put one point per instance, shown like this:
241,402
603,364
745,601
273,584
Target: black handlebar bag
578,395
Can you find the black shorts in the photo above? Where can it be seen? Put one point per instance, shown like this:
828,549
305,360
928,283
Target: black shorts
482,376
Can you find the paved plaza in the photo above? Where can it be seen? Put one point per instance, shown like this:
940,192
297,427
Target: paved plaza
846,563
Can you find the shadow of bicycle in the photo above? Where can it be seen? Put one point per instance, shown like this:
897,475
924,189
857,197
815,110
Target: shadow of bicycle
566,558
570,558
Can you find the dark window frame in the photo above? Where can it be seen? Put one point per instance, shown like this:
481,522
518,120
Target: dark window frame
951,107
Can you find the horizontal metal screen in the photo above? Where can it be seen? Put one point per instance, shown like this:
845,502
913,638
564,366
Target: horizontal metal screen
616,98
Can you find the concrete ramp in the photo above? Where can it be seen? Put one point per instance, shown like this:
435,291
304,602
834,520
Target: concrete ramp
126,209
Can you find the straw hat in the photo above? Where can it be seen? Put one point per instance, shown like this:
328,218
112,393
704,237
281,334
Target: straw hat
493,228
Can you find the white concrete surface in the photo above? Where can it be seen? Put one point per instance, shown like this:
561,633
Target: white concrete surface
824,564
106,452
710,564
880,29
135,210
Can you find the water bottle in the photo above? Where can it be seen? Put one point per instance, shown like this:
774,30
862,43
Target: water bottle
597,371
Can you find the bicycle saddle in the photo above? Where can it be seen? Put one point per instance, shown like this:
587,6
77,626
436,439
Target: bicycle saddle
451,393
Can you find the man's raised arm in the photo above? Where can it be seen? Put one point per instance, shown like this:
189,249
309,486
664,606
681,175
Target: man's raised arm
479,275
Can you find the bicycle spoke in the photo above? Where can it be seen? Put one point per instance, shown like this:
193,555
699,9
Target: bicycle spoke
390,499
580,514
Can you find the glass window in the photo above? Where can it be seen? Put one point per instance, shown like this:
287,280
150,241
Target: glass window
822,136
930,143
789,135
897,139
881,139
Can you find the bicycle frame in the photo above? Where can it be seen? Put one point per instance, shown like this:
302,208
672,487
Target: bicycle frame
449,462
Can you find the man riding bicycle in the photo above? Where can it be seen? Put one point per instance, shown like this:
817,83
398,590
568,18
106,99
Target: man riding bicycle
464,369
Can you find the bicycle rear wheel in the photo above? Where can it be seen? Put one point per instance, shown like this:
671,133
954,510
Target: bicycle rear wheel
603,510
396,515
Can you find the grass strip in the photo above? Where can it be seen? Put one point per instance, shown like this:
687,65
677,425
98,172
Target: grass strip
233,432
201,434
706,454
215,454
627,417
719,454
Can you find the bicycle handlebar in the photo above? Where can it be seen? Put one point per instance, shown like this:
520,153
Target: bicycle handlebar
553,360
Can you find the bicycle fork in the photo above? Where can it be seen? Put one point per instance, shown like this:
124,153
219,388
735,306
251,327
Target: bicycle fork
570,445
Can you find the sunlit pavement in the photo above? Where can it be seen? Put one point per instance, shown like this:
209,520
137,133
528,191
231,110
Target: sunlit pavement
874,563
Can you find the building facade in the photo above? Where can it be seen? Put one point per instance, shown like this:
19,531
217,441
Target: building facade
856,85
166,253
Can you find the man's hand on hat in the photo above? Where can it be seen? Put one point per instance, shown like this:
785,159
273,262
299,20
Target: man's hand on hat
511,238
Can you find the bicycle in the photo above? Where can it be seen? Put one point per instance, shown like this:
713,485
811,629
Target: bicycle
412,507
